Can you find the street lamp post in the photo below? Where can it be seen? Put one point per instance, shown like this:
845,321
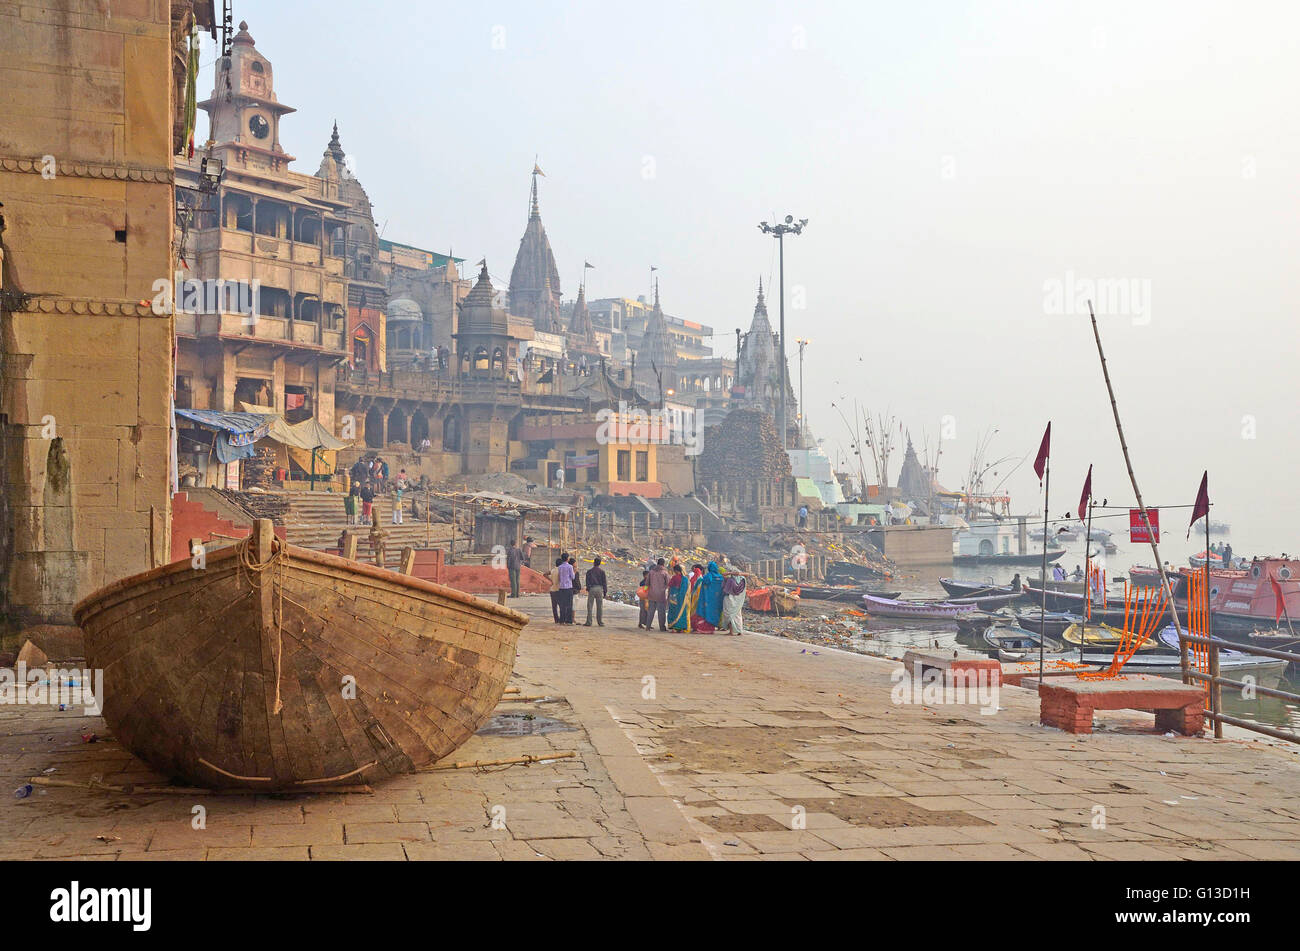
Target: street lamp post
803,410
789,226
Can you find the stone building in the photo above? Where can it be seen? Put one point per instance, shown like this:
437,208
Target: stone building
91,119
281,233
535,280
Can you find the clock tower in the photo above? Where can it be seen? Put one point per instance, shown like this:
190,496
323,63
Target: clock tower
243,111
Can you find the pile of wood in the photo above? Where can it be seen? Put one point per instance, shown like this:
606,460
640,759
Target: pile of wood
259,469
746,446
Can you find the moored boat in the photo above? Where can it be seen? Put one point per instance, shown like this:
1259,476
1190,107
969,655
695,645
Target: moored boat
1006,559
276,667
917,610
1055,622
1017,644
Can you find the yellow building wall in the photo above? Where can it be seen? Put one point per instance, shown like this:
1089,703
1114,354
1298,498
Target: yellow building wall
85,151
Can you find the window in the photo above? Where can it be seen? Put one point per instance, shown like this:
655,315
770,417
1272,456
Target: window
624,465
643,467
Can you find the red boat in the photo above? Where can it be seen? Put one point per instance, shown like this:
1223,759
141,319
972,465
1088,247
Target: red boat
1247,600
1145,577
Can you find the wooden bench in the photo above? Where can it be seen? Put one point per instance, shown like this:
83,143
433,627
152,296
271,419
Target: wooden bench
1068,703
958,667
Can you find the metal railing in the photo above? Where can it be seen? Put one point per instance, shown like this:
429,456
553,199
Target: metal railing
1216,683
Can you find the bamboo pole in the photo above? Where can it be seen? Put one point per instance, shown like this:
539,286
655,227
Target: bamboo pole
1042,617
1216,691
1137,493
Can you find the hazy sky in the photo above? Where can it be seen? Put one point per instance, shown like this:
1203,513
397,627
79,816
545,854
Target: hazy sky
964,167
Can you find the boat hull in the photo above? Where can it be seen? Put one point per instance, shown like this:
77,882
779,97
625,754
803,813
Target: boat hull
1006,559
313,670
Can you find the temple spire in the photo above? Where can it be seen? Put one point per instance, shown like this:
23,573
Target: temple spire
534,211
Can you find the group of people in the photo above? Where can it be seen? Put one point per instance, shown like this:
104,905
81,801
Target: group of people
367,479
705,601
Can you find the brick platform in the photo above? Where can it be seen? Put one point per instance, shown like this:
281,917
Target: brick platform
1068,702
957,667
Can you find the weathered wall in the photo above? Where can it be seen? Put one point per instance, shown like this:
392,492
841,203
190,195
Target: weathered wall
86,114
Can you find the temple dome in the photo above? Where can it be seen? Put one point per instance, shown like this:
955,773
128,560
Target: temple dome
403,308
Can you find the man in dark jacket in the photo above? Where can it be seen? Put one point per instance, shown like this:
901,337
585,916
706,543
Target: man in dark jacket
514,562
596,587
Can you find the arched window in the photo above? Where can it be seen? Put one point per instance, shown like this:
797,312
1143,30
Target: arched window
481,363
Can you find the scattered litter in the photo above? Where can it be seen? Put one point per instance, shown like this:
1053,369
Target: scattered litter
731,842
108,837
23,791
1170,802
52,769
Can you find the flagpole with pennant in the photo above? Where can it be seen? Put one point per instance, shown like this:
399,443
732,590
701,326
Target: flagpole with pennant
1043,469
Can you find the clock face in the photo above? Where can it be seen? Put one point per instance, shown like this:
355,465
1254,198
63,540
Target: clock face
259,127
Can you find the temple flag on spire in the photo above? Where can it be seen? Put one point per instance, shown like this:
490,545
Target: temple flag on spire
537,170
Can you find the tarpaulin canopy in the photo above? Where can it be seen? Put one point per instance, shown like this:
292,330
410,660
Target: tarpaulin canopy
308,442
242,429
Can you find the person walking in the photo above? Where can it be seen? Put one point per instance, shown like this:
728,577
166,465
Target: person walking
514,562
596,587
529,545
803,516
352,502
399,487
641,599
567,575
657,579
733,603
553,573
367,494
678,600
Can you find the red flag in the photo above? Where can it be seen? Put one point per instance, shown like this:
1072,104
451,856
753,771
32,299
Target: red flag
1279,600
1202,506
1087,494
1040,463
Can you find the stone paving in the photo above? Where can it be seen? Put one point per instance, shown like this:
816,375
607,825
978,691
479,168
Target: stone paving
696,747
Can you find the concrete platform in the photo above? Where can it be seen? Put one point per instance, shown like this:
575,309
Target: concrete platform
691,746
1068,703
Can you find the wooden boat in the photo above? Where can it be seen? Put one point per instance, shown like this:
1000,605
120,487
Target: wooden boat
275,667
1006,559
968,589
846,572
848,593
917,610
1056,621
1017,644
1105,637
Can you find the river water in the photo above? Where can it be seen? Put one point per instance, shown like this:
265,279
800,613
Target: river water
893,638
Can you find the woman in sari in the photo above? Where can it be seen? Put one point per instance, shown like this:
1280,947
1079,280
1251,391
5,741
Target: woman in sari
708,601
733,602
679,618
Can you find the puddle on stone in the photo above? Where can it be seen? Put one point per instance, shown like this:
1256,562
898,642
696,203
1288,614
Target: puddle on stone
522,724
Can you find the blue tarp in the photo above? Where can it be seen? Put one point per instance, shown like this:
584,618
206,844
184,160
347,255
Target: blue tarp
240,429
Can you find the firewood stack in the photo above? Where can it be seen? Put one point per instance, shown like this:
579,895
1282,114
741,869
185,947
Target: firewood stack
259,469
745,447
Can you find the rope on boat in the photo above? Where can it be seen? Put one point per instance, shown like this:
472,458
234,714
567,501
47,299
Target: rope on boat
277,561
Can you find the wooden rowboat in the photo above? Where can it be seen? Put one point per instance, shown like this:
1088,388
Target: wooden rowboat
275,667
920,610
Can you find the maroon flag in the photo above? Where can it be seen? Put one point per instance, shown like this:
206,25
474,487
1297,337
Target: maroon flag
1087,494
1202,506
1040,463
1279,600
